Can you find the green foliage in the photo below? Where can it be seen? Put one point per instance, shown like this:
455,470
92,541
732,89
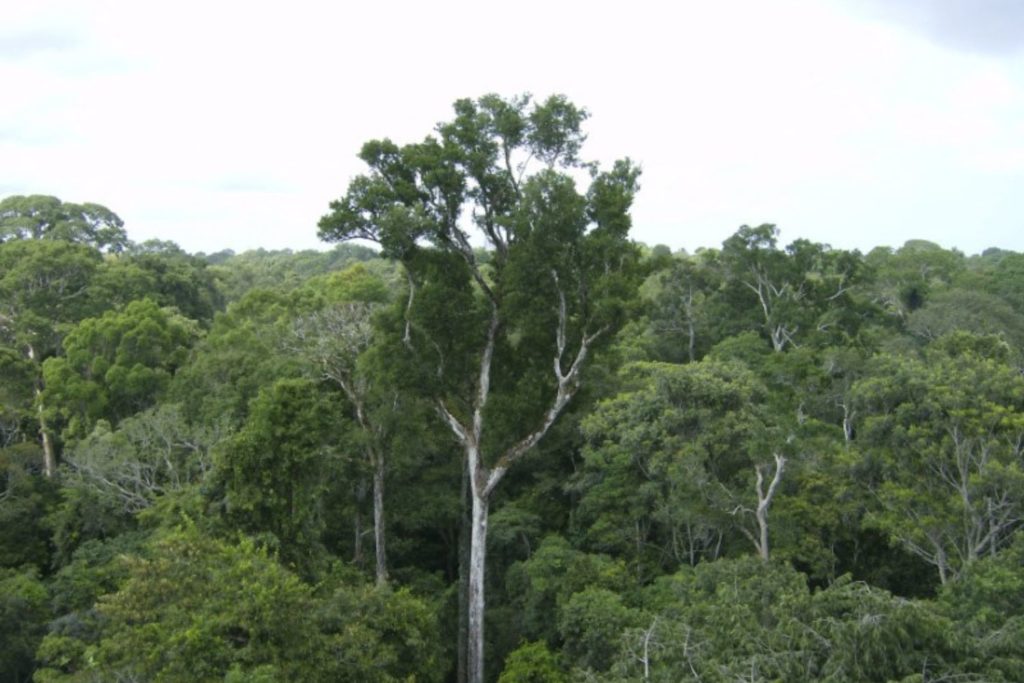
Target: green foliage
98,568
987,602
731,619
670,458
967,310
379,635
905,279
163,272
84,514
533,663
211,517
591,624
269,478
244,350
685,309
760,598
1006,279
43,286
283,270
865,634
374,282
798,295
25,500
546,238
24,611
196,608
188,607
17,394
544,584
116,365
41,217
945,432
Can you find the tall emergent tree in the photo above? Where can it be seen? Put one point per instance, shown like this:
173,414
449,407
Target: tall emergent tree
500,337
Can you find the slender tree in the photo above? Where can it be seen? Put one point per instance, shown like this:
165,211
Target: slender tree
333,340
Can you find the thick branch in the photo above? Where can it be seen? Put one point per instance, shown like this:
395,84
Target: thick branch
568,384
407,336
765,500
453,422
483,388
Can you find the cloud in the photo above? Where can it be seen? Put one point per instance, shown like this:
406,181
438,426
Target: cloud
247,183
28,43
27,136
8,189
991,27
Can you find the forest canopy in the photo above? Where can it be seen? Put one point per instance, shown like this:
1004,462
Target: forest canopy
506,443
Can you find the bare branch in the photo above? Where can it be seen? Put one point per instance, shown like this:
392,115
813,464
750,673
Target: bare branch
766,500
568,384
452,422
407,336
484,377
560,329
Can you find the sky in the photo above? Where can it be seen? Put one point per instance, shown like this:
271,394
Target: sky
858,123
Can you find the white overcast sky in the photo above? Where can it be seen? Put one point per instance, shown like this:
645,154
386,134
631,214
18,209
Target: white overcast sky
233,125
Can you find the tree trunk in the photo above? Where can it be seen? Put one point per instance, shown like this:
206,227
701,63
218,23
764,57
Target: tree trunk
762,524
49,456
357,525
475,598
691,348
378,519
465,520
483,480
764,501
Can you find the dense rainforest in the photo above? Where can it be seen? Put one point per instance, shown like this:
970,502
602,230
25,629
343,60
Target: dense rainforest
505,443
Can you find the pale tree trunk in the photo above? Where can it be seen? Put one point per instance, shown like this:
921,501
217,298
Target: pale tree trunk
767,295
484,479
848,416
375,458
465,521
645,654
49,455
334,339
764,501
374,455
475,597
378,519
942,564
691,329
